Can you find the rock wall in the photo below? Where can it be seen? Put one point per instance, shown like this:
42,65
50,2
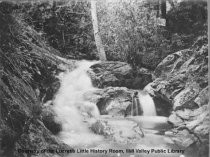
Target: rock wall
27,80
181,79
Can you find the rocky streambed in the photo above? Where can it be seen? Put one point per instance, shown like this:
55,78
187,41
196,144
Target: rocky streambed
178,87
182,130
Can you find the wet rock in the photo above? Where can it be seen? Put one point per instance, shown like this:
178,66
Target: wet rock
118,74
111,100
102,128
117,129
115,101
163,105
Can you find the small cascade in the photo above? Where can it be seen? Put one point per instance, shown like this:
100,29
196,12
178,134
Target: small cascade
142,104
70,106
75,112
143,112
147,104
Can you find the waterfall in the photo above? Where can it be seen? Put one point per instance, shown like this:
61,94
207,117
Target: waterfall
70,106
149,119
147,104
143,102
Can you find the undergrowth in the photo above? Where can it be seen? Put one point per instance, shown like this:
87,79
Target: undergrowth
27,65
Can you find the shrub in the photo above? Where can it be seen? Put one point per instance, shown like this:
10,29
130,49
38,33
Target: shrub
129,31
66,27
188,17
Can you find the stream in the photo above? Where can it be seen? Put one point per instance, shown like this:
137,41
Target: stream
77,115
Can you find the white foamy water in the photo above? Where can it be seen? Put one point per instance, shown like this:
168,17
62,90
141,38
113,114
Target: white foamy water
72,109
70,106
147,104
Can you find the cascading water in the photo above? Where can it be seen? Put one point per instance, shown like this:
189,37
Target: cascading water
142,102
147,104
72,109
70,105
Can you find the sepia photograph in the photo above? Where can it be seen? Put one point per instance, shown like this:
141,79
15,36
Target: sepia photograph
104,78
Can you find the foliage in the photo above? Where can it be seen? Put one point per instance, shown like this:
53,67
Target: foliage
186,21
131,31
24,58
67,28
188,17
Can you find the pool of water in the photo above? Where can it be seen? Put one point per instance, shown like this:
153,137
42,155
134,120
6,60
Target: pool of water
153,144
124,141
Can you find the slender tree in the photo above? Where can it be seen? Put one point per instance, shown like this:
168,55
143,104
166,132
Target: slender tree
163,9
99,45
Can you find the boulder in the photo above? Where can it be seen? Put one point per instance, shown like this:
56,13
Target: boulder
118,74
115,101
101,127
185,98
119,130
111,100
195,122
184,139
203,97
181,79
172,63
175,120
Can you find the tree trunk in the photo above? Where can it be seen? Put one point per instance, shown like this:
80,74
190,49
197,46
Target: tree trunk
163,9
100,47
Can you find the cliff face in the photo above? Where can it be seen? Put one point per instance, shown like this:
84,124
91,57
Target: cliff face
27,68
181,79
